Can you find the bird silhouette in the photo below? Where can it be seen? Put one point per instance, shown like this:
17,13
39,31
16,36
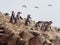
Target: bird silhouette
24,6
36,6
49,5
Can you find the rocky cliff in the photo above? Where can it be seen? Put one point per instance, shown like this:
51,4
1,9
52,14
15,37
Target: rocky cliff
19,34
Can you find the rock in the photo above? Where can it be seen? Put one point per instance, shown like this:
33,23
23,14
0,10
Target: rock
35,41
19,34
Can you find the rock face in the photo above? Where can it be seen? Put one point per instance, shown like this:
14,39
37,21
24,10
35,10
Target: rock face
35,41
19,34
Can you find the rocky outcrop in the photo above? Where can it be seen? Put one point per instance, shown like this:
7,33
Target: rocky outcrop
19,34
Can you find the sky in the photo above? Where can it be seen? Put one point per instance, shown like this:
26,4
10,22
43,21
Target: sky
43,12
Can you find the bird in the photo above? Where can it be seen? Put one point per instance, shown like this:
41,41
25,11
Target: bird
36,6
24,6
49,5
6,14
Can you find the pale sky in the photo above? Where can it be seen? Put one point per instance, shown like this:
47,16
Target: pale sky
44,12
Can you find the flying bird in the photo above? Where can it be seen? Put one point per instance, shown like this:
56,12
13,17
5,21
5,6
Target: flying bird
50,5
24,6
36,7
